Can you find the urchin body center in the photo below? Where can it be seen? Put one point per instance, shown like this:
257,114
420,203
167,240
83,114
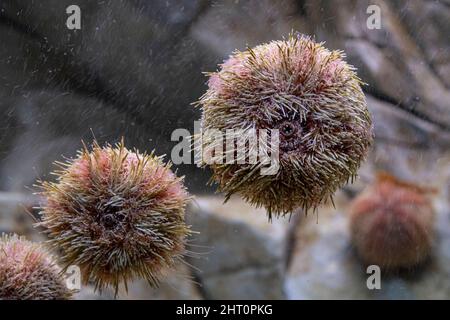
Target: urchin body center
111,217
290,133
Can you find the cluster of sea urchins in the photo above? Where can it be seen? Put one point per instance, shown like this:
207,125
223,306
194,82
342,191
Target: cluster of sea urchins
314,98
391,224
29,272
116,214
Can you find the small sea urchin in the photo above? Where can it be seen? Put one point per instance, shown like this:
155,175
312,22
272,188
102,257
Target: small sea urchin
314,98
116,214
391,224
29,272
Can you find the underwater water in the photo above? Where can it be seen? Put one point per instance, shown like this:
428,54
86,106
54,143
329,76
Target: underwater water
133,70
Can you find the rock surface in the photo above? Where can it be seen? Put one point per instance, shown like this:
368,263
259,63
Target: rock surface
240,255
178,284
15,214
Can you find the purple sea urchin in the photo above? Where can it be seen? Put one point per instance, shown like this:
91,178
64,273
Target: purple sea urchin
391,224
314,98
29,272
116,214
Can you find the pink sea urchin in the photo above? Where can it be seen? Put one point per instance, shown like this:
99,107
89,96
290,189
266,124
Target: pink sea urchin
116,214
391,224
29,272
314,98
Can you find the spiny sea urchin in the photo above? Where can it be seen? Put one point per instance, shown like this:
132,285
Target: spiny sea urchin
116,214
391,224
314,98
29,272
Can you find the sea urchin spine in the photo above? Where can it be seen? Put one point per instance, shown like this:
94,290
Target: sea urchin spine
116,214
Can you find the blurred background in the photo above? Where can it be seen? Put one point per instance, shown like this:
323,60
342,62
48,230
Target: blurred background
135,67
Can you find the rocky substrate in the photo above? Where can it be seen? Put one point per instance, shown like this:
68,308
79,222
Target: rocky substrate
238,254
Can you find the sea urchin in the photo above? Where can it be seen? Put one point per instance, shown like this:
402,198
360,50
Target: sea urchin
29,272
391,224
314,99
116,214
